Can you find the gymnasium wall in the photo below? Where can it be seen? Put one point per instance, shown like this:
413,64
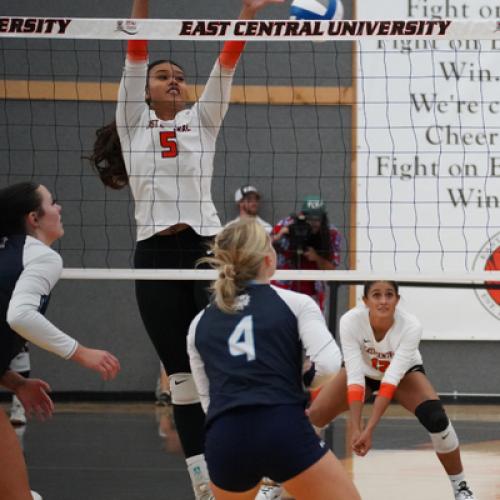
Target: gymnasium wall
270,146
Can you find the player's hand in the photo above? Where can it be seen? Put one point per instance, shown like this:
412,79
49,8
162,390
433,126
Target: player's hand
363,444
33,396
102,362
256,5
355,435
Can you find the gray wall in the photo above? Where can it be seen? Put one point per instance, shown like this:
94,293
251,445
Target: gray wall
287,151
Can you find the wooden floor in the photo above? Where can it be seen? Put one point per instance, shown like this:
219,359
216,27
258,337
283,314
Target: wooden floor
415,472
132,452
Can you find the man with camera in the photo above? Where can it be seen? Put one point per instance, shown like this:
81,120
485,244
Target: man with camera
307,241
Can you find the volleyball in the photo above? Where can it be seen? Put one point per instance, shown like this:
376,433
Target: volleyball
309,10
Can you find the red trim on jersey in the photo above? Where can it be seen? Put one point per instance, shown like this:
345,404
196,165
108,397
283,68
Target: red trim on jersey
231,52
355,392
387,390
137,50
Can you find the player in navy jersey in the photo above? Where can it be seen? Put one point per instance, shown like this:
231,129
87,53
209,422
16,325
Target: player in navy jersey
380,344
29,269
164,151
246,352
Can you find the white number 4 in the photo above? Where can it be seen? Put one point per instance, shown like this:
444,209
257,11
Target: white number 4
241,340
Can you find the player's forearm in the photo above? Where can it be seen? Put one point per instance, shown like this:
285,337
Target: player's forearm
379,407
12,380
355,412
137,50
140,9
231,50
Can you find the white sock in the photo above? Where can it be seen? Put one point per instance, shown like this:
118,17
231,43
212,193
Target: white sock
198,472
456,479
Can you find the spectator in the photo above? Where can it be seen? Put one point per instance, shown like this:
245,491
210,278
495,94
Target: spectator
248,200
307,241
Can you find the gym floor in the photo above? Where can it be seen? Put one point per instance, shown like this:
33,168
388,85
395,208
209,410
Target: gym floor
121,451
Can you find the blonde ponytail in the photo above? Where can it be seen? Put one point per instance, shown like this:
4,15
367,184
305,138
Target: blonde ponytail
237,255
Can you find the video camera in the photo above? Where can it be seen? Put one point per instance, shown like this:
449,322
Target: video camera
300,234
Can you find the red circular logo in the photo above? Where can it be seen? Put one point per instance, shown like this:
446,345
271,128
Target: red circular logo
493,264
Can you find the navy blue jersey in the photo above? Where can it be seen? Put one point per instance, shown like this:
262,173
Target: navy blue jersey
11,266
29,269
254,357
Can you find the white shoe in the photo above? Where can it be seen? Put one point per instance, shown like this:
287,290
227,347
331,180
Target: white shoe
35,495
17,413
464,492
269,492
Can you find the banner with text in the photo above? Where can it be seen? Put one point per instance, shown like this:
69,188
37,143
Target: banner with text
428,163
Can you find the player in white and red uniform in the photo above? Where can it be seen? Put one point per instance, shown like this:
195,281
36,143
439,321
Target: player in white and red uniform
386,360
165,153
380,345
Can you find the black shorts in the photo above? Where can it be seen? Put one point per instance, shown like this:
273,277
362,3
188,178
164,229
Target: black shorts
245,444
374,385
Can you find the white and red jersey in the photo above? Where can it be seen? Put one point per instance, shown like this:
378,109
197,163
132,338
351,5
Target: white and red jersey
170,163
387,360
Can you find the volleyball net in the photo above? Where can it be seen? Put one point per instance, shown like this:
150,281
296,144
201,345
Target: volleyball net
394,124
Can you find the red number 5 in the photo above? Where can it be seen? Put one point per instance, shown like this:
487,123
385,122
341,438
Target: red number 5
168,141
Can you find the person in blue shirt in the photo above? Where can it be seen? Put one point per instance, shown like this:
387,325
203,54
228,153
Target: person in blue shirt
246,350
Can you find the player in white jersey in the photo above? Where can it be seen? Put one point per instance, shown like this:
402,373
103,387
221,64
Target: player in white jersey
29,269
246,357
380,343
165,154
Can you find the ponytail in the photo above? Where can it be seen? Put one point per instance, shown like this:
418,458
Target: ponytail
107,157
237,254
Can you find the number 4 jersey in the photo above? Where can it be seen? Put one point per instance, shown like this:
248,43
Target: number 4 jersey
254,356
387,360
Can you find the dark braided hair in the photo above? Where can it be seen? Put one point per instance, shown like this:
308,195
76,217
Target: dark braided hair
107,157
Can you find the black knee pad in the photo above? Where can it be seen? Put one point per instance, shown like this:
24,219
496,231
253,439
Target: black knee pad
432,416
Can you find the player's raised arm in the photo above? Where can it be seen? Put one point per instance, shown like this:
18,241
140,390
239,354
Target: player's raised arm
232,50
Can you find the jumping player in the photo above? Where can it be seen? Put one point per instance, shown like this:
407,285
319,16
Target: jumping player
380,345
246,358
165,152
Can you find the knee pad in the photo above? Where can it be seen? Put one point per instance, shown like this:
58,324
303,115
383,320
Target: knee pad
183,389
445,441
432,416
